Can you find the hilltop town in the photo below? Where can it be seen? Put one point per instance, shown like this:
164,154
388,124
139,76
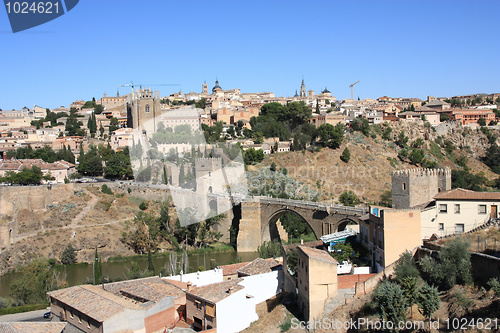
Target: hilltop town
346,203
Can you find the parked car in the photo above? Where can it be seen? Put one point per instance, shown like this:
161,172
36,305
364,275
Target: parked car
47,315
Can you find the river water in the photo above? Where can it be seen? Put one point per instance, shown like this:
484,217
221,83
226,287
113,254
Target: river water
79,274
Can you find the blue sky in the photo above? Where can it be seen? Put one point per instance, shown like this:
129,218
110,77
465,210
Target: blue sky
395,48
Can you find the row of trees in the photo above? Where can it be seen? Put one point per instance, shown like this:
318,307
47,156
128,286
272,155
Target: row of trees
46,153
27,176
104,160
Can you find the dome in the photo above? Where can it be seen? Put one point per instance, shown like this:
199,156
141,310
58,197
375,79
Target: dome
216,86
326,91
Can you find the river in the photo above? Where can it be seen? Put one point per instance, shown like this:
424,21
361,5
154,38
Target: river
79,274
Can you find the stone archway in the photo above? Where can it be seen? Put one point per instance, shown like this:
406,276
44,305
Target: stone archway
270,229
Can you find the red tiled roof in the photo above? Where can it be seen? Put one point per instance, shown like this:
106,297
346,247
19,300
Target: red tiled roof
216,292
463,194
178,284
233,268
259,266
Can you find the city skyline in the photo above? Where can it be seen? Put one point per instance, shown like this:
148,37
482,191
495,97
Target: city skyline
398,49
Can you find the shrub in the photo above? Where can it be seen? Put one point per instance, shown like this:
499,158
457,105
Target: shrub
495,286
346,155
390,299
106,190
68,256
348,198
144,205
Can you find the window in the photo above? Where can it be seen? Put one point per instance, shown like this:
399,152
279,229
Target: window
198,304
457,208
146,109
459,228
441,226
404,186
482,209
443,208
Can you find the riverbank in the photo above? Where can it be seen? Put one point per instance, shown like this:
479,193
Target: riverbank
120,267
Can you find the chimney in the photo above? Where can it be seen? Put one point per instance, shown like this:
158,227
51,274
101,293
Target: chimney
189,286
301,241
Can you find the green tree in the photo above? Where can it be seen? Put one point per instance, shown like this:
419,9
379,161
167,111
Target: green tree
402,140
391,301
33,282
406,267
455,261
73,125
410,291
342,251
387,133
97,268
68,256
417,156
269,249
346,155
348,198
106,190
331,136
151,266
273,167
428,300
113,125
481,121
361,125
253,156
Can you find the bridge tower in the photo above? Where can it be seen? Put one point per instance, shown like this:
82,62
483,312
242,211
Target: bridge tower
413,187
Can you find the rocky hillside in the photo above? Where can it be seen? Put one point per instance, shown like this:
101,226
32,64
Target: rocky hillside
373,159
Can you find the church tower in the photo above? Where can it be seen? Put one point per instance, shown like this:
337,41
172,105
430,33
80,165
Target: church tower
302,89
205,88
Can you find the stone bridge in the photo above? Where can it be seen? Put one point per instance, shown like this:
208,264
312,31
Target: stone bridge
260,214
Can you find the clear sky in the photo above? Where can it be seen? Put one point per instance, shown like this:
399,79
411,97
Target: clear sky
395,48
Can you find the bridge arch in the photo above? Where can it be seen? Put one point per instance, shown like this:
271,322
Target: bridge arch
270,230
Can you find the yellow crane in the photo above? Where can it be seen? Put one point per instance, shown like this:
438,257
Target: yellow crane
352,85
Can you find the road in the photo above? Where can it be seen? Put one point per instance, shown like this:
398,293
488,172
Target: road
26,316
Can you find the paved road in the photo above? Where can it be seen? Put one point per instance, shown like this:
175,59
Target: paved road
25,316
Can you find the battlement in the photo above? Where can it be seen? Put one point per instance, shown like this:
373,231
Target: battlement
422,172
414,187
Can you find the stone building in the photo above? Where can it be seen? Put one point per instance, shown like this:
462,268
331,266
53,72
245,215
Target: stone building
142,106
209,175
415,187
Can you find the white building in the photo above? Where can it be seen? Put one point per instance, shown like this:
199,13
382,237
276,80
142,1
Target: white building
457,211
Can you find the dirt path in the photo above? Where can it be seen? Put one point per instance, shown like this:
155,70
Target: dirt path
90,205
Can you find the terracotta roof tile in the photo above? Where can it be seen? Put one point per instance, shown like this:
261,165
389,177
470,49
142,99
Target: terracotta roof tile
463,194
32,327
216,292
233,268
93,301
151,289
259,266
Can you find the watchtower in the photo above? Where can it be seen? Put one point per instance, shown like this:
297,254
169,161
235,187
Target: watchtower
413,187
209,176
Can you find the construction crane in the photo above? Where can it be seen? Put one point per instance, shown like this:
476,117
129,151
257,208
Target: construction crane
352,85
149,85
